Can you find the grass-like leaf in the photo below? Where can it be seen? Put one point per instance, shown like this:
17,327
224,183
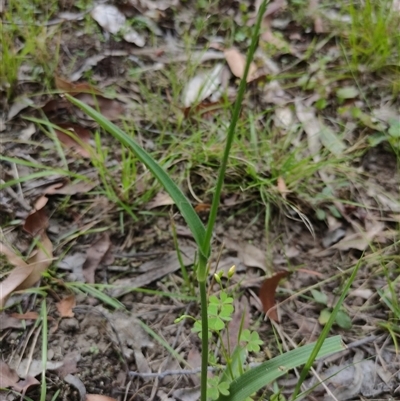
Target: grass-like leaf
192,219
256,378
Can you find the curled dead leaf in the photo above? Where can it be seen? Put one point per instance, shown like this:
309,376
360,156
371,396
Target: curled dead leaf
267,294
65,306
25,274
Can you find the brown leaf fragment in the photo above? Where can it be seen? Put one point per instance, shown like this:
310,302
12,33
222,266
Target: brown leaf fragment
240,321
23,385
98,397
74,89
36,222
78,138
187,394
94,256
16,277
81,187
19,104
161,199
26,274
39,262
32,315
194,360
65,306
8,322
267,294
109,108
202,207
249,254
237,64
69,365
8,377
41,202
11,256
282,188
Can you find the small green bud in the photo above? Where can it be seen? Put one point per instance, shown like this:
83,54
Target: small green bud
217,278
231,271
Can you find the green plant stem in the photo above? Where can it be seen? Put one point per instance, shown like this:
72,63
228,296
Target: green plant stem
43,313
325,331
204,339
231,134
206,245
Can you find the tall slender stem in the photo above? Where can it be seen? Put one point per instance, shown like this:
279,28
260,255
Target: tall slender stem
232,128
204,339
202,267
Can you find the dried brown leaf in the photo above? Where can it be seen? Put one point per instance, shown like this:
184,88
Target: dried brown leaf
202,207
249,255
237,63
23,385
26,274
39,262
359,241
241,314
8,322
194,360
66,305
267,294
77,140
67,188
94,256
161,199
32,315
8,377
73,89
36,222
282,188
41,202
17,276
109,108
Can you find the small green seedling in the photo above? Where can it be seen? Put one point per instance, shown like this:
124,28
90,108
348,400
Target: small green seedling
342,319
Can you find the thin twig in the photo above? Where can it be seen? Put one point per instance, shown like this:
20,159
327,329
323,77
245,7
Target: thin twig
178,372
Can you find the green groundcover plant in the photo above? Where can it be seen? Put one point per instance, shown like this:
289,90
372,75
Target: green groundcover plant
235,383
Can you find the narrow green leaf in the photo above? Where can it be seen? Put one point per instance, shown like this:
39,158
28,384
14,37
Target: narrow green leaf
192,219
324,316
343,320
256,378
319,297
331,140
348,92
